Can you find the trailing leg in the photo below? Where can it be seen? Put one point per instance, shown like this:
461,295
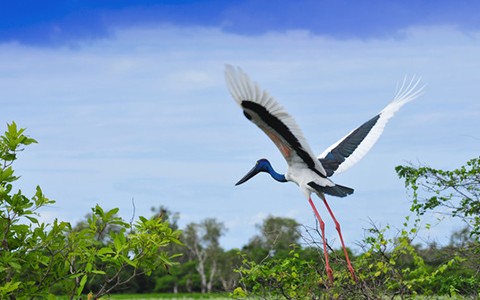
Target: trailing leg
337,226
322,228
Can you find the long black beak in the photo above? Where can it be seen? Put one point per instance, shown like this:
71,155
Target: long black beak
254,171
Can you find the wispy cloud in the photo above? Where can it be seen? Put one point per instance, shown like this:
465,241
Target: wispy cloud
146,114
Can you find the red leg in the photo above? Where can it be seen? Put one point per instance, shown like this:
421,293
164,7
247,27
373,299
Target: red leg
337,226
322,228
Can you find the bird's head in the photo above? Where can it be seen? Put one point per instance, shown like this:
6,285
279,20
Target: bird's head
262,165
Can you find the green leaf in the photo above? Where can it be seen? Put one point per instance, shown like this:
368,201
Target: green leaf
28,141
81,285
98,210
6,175
111,213
75,275
32,219
129,261
15,265
9,286
118,243
51,297
105,250
88,267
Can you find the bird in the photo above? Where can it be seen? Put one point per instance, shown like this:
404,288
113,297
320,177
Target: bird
311,173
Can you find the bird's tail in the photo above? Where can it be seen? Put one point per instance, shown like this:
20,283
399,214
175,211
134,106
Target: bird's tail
336,190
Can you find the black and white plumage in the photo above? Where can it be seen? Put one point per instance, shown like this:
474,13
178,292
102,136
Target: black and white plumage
347,151
309,172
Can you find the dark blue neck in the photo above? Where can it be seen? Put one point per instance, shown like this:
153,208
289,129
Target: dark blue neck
278,177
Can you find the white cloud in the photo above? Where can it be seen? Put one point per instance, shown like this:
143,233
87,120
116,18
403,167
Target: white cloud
146,114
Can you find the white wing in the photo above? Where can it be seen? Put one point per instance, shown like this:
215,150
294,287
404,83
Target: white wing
262,109
351,148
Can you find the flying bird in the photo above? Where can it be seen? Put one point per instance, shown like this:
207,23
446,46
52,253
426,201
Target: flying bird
311,173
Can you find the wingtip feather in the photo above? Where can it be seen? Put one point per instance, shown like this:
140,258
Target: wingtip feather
409,89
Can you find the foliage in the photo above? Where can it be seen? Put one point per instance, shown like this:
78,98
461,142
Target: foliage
229,261
29,251
173,296
388,267
456,191
290,277
394,266
276,236
181,277
38,258
125,256
203,242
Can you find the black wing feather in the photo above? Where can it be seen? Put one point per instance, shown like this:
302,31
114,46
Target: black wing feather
344,149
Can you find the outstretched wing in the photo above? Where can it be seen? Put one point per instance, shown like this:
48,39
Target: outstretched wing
265,112
351,148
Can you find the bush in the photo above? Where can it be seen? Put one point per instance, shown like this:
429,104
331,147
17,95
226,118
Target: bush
39,259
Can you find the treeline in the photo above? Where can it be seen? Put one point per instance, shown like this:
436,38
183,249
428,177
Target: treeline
105,254
285,259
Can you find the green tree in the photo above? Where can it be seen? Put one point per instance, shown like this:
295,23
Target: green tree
287,277
276,236
388,267
229,261
37,259
29,249
130,251
456,192
203,242
181,277
166,215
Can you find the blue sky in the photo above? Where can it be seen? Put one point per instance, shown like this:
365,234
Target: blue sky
64,22
127,100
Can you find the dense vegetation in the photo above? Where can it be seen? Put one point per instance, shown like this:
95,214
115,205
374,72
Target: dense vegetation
105,254
100,255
